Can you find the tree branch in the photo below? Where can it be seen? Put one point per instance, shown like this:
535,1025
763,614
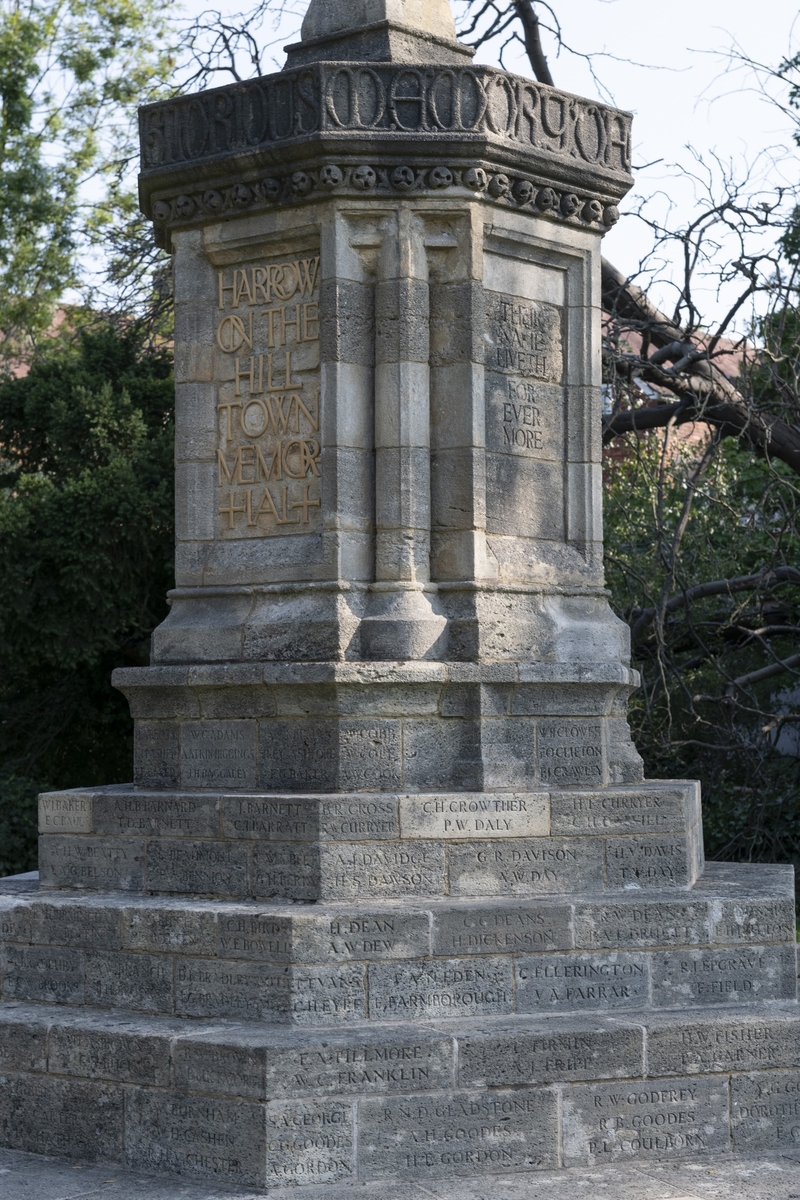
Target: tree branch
533,41
740,583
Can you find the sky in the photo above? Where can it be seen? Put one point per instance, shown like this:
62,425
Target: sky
694,109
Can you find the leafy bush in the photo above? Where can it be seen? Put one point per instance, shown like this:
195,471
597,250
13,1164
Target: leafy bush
86,541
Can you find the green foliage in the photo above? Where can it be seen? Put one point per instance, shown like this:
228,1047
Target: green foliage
690,718
86,517
18,823
71,75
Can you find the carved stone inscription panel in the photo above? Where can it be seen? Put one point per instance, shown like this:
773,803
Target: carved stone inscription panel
524,368
268,458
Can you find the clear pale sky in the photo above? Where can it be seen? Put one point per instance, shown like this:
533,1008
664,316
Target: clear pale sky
690,97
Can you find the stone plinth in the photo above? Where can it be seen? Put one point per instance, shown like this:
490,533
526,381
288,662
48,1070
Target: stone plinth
388,898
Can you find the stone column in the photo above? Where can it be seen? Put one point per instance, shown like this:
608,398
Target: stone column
403,618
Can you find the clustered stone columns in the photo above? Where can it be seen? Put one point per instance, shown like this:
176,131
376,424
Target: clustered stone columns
403,620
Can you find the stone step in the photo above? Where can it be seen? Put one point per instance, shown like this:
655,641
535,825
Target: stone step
731,943
323,847
267,1107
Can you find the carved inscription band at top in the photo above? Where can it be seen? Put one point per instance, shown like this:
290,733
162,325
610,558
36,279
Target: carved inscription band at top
394,99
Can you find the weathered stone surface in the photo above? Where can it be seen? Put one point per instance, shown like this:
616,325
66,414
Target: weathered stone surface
23,1042
49,975
388,869
765,1111
683,978
456,816
649,862
83,862
366,1063
639,922
576,982
239,990
360,934
309,1142
290,818
65,812
653,809
218,754
202,867
466,1133
194,1135
607,1122
440,988
142,982
155,814
120,1052
65,1117
696,1043
503,928
526,1053
170,930
526,867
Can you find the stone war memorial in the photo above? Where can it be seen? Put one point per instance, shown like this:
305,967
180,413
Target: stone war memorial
389,898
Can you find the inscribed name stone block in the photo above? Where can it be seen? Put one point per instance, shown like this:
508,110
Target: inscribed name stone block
371,1064
51,975
475,816
765,1111
650,809
200,867
641,923
67,1118
260,936
118,1053
245,991
222,1067
571,752
121,980
574,982
173,930
464,1133
70,924
65,812
194,1135
683,978
157,754
289,818
114,864
360,935
23,1044
440,988
657,1118
502,928
218,754
328,994
529,866
286,869
755,921
648,862
154,815
325,754
309,1142
721,1042
388,869
558,1050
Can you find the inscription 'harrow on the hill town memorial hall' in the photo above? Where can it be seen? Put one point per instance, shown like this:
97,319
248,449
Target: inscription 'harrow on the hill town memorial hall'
388,897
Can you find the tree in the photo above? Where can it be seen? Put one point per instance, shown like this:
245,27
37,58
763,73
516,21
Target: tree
86,541
71,75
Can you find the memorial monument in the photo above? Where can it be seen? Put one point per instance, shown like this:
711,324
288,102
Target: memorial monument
388,898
